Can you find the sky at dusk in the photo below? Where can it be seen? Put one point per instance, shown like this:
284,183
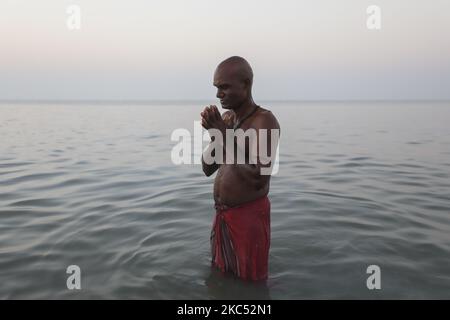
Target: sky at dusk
151,50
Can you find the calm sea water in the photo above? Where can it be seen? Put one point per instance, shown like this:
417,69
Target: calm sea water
359,184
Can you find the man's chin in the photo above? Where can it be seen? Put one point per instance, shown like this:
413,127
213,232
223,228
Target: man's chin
226,106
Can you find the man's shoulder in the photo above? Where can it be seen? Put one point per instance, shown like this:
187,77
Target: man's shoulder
264,118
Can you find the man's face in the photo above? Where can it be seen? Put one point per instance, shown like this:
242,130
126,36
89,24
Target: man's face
231,91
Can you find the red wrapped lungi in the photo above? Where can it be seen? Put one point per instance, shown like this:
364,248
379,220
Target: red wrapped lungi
240,239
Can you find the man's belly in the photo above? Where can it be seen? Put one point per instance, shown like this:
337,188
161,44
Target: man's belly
232,188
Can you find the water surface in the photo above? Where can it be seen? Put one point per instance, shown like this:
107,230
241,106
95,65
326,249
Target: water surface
93,185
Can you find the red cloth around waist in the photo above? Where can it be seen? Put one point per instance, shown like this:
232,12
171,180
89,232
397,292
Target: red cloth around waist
240,239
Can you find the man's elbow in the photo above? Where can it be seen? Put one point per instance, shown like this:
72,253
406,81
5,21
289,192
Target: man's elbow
209,170
205,171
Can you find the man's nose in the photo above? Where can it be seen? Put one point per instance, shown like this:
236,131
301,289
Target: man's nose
219,94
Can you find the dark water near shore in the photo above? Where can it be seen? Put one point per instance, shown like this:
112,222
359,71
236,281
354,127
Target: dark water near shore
94,185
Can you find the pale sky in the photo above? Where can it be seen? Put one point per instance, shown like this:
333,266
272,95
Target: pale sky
168,49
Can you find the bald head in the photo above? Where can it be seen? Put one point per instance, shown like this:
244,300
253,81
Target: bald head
239,67
233,79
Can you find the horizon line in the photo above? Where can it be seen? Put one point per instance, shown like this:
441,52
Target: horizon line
147,101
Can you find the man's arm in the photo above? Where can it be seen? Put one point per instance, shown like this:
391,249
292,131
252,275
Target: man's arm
253,171
209,169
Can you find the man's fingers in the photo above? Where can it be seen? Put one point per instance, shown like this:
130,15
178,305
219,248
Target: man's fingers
206,110
207,113
215,112
210,113
206,124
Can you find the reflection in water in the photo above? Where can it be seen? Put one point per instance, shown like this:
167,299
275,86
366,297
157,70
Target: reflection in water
226,286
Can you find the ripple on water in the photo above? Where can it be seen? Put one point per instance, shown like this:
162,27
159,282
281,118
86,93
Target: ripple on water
14,164
31,177
43,202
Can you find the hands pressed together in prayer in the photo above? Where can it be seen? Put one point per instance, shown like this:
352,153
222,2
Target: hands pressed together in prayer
212,119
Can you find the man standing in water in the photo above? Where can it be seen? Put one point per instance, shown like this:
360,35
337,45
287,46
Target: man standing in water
240,236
